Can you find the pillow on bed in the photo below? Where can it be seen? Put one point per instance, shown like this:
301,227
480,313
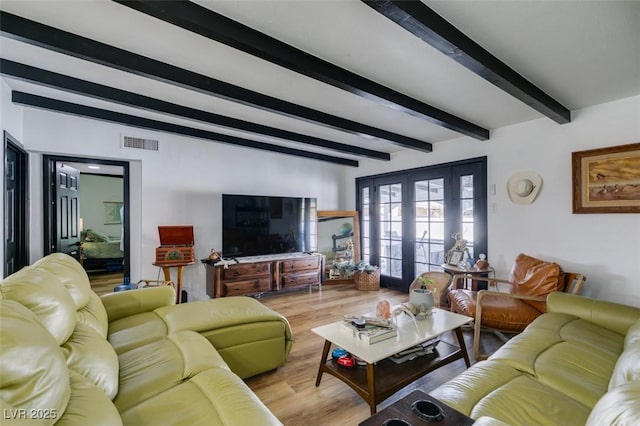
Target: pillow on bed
96,237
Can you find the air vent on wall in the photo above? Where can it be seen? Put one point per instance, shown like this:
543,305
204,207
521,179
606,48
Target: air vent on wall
139,143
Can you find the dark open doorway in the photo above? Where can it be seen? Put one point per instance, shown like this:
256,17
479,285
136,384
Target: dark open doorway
97,234
16,211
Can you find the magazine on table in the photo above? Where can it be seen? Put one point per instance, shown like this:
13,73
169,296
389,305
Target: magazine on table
371,333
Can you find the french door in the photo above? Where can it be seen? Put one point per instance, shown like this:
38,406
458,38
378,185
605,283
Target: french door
408,218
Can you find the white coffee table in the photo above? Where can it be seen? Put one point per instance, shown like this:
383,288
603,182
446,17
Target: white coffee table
382,377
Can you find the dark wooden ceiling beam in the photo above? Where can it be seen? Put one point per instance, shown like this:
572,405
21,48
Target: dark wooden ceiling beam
98,91
420,20
48,37
207,23
50,104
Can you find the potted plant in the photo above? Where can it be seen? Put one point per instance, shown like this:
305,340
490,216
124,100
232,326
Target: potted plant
427,284
422,298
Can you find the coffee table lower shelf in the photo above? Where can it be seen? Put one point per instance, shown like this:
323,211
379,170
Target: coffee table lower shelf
376,382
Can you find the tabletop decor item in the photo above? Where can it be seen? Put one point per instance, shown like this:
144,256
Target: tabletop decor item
422,300
383,309
456,254
482,262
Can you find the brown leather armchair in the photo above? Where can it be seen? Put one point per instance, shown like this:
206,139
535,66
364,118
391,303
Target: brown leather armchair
530,281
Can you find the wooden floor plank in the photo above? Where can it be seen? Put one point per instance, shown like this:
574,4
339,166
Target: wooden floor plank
290,392
102,283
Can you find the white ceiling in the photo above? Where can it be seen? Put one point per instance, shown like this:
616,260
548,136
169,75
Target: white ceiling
581,53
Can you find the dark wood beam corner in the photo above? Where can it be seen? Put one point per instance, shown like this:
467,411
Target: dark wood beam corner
423,22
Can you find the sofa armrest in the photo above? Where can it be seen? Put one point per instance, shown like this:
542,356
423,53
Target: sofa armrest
131,302
613,316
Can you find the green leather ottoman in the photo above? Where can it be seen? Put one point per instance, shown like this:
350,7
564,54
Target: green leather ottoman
249,336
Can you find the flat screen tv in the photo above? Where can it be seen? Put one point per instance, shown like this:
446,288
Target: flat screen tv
254,225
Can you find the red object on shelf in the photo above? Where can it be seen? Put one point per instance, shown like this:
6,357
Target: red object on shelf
346,361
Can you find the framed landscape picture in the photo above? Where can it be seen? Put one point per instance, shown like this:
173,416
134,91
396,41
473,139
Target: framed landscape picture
607,180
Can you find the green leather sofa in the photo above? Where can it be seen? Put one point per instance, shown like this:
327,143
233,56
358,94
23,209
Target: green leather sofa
68,357
577,364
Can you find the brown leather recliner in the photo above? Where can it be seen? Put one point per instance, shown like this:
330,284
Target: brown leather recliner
530,281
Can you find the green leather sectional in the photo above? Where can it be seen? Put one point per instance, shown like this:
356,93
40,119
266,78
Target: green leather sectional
68,357
577,364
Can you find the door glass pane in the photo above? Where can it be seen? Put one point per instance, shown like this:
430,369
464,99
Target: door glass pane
467,212
390,212
366,223
466,186
429,224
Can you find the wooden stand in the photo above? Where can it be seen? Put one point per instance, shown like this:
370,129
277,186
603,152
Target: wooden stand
470,273
166,269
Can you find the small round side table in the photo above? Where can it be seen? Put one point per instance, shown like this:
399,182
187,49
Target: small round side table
470,273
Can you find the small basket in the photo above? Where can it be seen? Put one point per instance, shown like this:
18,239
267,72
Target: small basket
367,280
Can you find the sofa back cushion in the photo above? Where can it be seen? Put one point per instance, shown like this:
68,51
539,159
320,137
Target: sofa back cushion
633,335
95,315
619,406
535,277
92,356
75,280
627,367
44,295
38,381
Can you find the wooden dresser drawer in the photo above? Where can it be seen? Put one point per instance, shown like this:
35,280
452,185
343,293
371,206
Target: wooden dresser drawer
294,265
244,270
301,279
239,288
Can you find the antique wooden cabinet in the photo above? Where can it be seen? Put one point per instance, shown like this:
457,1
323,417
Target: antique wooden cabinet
263,274
298,272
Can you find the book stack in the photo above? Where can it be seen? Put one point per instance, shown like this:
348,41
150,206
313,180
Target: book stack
371,333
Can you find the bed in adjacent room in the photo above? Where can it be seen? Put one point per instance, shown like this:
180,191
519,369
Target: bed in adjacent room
100,252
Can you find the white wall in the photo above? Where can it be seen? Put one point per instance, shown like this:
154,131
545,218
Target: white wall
11,120
180,184
604,247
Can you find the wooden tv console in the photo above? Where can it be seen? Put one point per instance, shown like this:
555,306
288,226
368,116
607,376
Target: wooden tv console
264,274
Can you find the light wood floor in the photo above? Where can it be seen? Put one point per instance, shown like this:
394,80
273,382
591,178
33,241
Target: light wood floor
290,392
102,283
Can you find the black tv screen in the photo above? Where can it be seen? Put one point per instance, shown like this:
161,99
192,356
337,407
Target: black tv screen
254,225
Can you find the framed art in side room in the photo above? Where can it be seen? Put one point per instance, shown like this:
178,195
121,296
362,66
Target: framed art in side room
607,180
112,212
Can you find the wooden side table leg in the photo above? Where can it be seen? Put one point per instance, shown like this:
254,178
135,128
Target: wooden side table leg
179,285
371,384
462,345
166,270
167,273
325,353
